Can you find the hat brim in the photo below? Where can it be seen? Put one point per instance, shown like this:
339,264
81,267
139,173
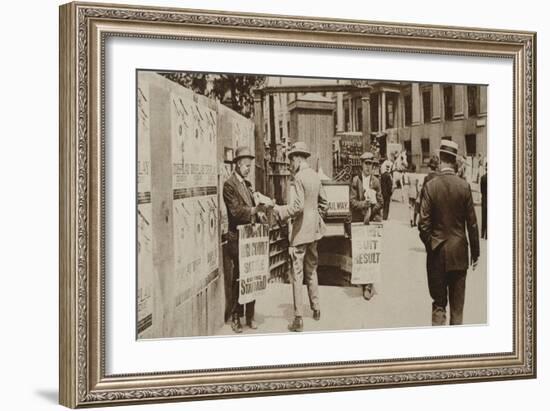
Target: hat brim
304,153
448,152
244,156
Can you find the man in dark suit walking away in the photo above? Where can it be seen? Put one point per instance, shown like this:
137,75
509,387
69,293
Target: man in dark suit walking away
483,188
237,195
366,203
446,213
307,208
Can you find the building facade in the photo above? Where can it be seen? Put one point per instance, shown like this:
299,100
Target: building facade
416,116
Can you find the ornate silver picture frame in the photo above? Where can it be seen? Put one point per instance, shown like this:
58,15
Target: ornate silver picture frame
85,29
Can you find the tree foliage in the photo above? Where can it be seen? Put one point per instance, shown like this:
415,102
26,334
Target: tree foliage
233,90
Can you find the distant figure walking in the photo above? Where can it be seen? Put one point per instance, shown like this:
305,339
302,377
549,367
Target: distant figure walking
400,166
411,184
483,188
386,185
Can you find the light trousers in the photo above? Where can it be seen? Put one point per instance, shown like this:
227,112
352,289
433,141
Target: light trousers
304,260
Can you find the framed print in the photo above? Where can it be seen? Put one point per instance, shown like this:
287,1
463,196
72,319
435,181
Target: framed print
259,204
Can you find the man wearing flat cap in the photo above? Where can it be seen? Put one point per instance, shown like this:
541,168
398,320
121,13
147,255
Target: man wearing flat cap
238,198
366,202
307,207
446,214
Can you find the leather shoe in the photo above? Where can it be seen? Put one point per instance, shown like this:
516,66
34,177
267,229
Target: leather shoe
316,315
297,325
252,324
236,325
368,292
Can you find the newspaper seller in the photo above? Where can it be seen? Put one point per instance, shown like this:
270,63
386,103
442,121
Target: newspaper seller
366,202
238,198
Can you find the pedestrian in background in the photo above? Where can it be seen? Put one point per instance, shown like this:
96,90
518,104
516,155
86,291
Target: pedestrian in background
483,189
421,179
446,213
307,208
386,185
411,184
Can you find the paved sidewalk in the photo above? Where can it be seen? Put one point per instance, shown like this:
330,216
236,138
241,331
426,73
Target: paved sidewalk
402,299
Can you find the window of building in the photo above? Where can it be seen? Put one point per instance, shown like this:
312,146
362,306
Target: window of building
408,109
346,119
448,102
288,129
472,101
374,112
408,148
391,110
360,119
427,105
425,146
383,144
471,146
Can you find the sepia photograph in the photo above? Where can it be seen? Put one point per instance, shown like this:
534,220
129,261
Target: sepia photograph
308,194
274,204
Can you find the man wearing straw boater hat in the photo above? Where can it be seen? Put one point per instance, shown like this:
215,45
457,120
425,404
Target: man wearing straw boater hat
307,207
446,213
238,198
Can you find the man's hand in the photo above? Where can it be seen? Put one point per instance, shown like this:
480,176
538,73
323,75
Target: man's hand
261,199
270,203
474,263
262,217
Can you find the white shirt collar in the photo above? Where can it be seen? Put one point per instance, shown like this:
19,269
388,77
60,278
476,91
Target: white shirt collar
239,177
366,182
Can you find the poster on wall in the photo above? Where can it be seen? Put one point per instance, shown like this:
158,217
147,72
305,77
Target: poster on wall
144,216
195,200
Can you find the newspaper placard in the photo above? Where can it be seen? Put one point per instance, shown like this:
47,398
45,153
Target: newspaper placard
253,261
366,251
338,199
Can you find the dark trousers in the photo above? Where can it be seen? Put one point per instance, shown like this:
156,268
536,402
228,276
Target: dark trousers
445,287
386,210
484,218
236,308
